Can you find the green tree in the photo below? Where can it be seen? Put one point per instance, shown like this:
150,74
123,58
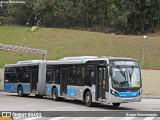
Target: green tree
22,13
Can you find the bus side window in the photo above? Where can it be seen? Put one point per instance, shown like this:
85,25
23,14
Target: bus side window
71,75
80,76
49,74
10,75
7,75
90,75
56,74
23,74
19,74
26,75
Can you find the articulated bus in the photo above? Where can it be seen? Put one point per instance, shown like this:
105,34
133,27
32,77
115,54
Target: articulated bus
105,80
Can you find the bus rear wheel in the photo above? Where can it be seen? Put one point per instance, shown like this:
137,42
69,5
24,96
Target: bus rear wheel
88,99
116,104
55,94
20,91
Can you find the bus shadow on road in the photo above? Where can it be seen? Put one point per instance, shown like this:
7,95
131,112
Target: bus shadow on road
96,105
29,96
77,102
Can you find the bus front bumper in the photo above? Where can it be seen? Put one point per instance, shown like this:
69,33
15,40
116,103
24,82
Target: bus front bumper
113,99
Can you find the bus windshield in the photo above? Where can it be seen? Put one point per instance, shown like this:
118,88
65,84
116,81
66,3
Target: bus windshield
126,77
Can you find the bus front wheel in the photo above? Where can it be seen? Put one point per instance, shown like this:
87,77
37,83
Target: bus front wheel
20,91
116,104
55,94
88,99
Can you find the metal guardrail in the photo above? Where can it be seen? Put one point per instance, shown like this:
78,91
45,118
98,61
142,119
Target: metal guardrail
23,49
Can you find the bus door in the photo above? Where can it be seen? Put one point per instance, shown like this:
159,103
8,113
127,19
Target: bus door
101,83
33,78
63,82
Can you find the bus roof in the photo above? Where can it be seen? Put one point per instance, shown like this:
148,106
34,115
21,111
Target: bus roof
25,63
91,58
69,60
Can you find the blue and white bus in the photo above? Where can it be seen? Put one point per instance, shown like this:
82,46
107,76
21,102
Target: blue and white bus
106,80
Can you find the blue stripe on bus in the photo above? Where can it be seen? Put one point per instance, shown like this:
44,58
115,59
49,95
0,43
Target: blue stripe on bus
25,88
58,89
71,92
49,89
93,94
14,88
127,94
10,87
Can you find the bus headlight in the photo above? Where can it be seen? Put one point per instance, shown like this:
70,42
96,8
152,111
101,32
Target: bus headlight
114,93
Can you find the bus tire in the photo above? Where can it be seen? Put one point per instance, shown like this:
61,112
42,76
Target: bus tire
88,99
55,94
116,104
20,91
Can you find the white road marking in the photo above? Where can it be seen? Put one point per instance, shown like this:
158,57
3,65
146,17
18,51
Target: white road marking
80,118
128,118
105,118
16,118
116,118
57,118
148,118
32,118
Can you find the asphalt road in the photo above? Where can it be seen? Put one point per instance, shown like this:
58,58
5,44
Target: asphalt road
11,102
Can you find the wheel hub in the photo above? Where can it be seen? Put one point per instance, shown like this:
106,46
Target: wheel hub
87,99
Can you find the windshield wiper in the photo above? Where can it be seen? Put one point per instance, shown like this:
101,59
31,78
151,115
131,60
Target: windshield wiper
130,74
123,73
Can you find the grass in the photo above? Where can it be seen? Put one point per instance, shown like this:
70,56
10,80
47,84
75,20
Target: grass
62,42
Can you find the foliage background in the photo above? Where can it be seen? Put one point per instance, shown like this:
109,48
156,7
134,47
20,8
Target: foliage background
107,16
120,16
